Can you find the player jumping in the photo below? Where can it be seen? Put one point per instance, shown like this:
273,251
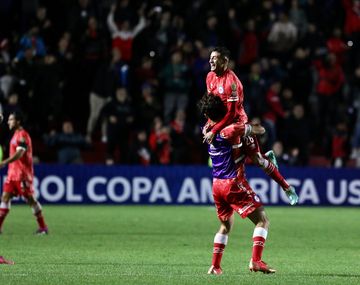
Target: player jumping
222,82
231,190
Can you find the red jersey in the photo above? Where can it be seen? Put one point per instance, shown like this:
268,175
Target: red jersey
21,169
229,88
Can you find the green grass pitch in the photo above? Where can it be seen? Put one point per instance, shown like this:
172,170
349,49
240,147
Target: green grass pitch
173,245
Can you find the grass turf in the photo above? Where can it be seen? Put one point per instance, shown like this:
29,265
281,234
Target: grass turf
173,245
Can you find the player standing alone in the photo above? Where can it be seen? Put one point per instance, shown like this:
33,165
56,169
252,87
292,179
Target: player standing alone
2,259
223,82
20,174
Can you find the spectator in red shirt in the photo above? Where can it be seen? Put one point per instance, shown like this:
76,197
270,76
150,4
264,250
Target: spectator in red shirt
328,88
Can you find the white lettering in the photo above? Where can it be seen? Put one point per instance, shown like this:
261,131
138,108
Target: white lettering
36,188
141,186
59,189
126,189
90,189
330,186
70,195
308,192
188,191
261,187
354,189
160,191
206,190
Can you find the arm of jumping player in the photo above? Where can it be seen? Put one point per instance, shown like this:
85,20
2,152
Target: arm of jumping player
227,120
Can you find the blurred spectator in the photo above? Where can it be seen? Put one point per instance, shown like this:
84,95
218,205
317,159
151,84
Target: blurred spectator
249,47
119,116
328,87
148,107
283,36
210,35
337,45
281,157
140,152
181,138
176,85
44,26
298,17
146,73
123,34
159,141
68,143
254,89
339,145
110,74
200,68
47,98
352,17
78,18
300,79
274,112
33,42
356,133
296,134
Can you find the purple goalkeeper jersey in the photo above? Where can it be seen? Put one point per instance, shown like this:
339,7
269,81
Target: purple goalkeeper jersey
220,151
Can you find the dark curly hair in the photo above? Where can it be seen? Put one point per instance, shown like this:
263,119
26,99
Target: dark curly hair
212,107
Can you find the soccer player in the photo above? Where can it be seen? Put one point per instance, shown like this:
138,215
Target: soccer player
231,190
20,173
2,259
222,82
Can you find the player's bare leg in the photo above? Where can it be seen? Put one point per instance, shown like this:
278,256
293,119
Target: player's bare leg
261,221
37,211
220,241
5,206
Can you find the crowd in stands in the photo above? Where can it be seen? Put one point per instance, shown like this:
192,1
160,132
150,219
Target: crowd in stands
117,81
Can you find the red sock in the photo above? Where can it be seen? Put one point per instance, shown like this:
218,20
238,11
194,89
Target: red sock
274,173
3,214
259,238
220,242
40,220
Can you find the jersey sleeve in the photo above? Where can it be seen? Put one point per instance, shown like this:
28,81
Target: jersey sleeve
22,142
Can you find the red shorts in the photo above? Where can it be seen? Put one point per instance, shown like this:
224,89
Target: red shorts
234,194
19,188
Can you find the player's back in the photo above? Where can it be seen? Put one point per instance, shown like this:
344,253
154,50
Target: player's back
224,155
23,167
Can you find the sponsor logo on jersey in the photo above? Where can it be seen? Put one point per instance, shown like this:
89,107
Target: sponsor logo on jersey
221,90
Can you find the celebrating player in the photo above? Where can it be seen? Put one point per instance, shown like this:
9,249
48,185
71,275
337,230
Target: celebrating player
20,173
231,190
222,82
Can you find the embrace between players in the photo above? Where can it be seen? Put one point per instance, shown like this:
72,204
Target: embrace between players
231,139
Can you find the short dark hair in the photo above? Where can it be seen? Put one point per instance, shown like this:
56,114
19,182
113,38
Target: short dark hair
18,115
223,51
211,106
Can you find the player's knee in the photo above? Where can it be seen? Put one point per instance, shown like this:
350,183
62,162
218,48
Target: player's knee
225,228
31,200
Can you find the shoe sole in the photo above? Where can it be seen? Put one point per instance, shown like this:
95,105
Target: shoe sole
269,271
